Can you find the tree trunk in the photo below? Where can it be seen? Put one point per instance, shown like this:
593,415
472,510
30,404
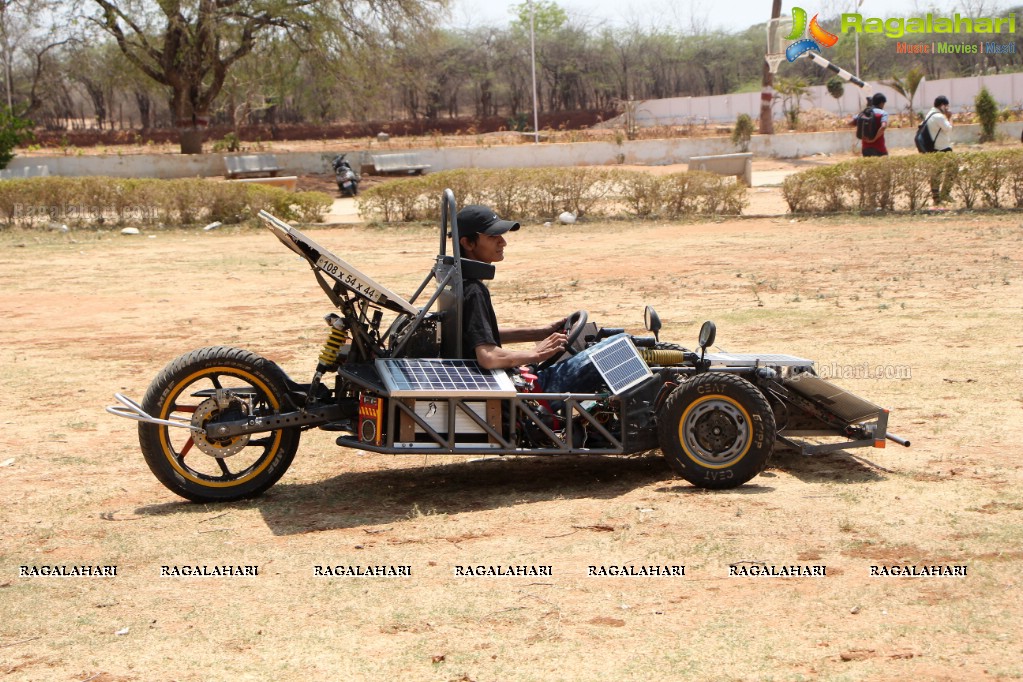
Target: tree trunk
191,124
145,110
191,139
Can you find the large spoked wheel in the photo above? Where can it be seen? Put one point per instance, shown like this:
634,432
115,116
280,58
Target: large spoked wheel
717,430
202,388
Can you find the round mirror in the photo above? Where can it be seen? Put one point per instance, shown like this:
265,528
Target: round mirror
707,333
651,320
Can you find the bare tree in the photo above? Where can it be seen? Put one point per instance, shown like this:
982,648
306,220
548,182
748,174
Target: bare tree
189,46
30,30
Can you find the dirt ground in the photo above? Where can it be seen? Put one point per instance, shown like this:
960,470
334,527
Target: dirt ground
919,314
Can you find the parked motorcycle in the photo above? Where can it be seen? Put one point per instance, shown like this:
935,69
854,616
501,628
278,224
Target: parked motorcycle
346,177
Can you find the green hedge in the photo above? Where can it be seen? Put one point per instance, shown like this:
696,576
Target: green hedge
991,179
148,202
542,194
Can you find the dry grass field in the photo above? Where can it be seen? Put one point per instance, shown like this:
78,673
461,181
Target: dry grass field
920,314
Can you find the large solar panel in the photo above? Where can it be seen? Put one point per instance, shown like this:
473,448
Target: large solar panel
435,378
850,408
620,364
757,359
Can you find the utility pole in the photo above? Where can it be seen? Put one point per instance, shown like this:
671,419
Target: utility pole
767,88
532,62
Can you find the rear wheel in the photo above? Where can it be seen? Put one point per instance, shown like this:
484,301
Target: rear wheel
204,387
717,430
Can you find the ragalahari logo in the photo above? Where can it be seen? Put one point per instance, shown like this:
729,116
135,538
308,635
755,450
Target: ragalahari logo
818,38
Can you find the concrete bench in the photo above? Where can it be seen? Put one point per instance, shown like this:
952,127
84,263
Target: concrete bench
252,164
739,165
399,163
25,172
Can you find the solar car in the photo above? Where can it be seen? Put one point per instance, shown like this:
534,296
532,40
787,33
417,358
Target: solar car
222,423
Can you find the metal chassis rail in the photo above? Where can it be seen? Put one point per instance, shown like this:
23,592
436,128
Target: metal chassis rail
518,406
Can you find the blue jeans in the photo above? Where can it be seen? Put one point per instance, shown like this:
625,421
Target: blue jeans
576,374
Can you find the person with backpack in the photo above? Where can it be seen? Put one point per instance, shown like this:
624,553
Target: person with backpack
939,126
938,138
873,138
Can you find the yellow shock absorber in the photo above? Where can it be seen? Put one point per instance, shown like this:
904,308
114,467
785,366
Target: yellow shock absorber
662,358
338,337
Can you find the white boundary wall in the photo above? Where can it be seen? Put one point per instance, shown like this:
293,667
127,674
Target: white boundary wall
1007,89
639,152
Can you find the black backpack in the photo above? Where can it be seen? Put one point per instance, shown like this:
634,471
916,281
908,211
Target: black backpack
866,123
924,141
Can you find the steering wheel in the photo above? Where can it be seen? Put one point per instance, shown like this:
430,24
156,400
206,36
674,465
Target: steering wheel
574,325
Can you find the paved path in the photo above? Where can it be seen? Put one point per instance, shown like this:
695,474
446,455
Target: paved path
343,211
771,178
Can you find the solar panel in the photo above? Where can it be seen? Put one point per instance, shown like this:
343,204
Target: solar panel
436,378
346,274
620,364
850,408
757,359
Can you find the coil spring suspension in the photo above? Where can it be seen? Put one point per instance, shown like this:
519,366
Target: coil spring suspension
662,358
335,341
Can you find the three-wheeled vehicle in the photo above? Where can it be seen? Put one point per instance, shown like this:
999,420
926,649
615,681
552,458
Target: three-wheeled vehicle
222,423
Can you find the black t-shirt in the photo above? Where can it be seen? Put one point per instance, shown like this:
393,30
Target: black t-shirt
479,323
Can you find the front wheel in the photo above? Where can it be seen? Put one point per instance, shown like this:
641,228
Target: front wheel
204,387
717,430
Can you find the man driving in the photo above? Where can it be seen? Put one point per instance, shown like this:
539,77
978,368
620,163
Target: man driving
481,237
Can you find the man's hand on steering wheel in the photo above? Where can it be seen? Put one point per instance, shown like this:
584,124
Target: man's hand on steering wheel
553,345
555,327
573,329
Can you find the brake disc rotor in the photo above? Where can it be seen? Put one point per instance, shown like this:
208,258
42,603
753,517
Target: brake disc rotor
209,410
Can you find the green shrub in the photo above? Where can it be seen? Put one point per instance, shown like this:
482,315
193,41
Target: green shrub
150,203
742,133
913,181
991,179
544,193
644,195
987,113
969,180
229,143
819,189
13,131
873,183
1014,176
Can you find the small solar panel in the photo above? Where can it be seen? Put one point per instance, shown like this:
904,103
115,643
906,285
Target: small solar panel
620,364
438,378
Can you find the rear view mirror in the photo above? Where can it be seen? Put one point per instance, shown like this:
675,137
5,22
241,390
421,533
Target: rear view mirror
651,320
708,332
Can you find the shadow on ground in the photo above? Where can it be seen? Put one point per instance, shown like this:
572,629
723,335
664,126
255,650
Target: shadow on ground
352,500
835,467
366,498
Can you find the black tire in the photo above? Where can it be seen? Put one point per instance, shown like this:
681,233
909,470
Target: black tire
716,430
216,470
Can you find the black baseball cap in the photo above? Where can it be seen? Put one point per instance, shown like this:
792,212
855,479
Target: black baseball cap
476,219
